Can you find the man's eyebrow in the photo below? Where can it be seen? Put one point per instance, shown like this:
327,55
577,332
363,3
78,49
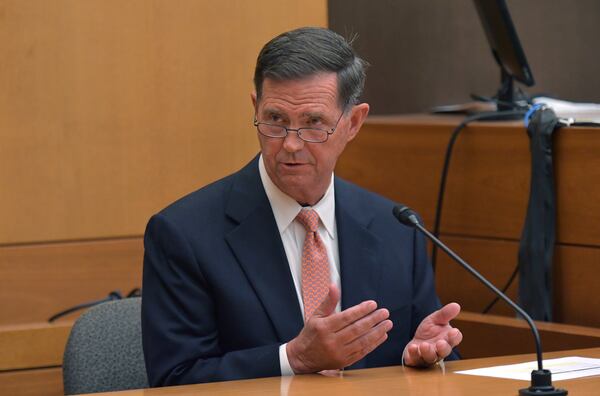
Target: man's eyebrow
271,110
314,114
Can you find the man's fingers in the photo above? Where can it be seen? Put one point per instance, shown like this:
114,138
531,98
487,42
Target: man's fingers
363,325
348,316
428,353
367,343
454,337
411,355
420,354
445,314
369,348
442,348
327,306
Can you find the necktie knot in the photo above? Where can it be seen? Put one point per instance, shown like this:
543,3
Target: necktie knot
309,218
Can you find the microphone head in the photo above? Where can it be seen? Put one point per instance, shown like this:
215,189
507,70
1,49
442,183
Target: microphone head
406,215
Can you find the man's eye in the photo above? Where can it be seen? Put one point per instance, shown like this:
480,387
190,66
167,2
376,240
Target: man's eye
276,118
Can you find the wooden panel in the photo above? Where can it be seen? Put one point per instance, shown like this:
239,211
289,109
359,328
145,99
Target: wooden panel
578,189
37,281
495,260
109,110
33,345
41,382
398,159
575,278
402,157
482,332
576,285
488,184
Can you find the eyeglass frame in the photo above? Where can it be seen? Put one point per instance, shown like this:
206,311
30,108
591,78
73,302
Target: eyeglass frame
298,130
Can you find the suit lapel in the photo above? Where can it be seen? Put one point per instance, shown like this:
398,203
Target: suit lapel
257,245
359,249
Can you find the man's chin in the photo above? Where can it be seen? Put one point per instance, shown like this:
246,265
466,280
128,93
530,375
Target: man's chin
293,183
297,187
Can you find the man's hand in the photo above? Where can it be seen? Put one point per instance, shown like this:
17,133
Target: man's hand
434,338
335,340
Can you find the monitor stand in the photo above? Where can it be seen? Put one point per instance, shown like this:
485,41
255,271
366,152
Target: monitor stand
509,104
508,99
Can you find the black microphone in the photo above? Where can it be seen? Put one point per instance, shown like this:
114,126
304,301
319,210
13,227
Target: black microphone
541,380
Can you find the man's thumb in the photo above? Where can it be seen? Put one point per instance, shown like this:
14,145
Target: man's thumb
445,314
329,302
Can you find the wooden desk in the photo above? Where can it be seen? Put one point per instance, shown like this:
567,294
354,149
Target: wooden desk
401,157
386,381
31,355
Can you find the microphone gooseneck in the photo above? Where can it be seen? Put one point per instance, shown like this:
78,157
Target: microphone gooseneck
541,380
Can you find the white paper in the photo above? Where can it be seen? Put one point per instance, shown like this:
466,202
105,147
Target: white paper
579,112
561,368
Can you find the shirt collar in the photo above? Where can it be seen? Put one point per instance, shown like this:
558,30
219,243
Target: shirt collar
285,208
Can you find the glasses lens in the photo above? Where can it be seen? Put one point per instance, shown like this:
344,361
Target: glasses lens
271,130
313,135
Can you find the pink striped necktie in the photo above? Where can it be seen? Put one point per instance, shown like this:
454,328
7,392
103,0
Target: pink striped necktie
315,265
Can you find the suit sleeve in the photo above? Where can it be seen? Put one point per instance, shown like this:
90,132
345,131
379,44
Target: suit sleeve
179,327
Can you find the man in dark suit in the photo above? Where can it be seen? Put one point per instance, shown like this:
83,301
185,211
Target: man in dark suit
282,268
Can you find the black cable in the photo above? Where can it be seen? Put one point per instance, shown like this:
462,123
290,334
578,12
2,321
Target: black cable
487,99
495,115
113,295
504,289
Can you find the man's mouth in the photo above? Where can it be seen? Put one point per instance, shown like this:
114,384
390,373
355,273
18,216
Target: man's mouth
293,165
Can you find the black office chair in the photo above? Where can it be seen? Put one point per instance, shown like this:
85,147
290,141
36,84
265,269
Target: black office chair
104,351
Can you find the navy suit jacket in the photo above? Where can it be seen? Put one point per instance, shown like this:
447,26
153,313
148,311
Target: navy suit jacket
219,298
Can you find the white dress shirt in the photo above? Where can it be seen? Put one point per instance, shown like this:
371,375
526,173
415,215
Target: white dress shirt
285,209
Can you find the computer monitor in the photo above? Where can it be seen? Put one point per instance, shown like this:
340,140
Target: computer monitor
506,48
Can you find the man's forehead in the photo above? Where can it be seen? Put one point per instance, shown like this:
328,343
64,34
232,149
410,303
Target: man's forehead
328,80
308,113
316,94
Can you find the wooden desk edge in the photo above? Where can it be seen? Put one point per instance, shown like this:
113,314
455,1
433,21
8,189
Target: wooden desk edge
518,323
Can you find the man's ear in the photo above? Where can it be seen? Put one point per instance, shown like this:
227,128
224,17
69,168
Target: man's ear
358,114
253,97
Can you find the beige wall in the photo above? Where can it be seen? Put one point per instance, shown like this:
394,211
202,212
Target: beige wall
111,109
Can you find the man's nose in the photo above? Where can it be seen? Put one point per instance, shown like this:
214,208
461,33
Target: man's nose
292,142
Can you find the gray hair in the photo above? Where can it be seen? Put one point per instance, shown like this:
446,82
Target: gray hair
306,51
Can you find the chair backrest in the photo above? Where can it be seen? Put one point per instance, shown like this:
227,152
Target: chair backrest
104,351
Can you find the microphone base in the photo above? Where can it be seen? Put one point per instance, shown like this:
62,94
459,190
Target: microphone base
542,392
541,385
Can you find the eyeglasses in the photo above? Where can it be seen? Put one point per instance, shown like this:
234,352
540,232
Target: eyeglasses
311,135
